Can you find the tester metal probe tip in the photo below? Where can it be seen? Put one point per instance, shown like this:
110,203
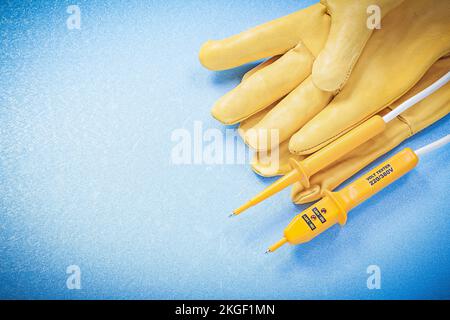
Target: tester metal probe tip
276,245
231,215
277,186
267,251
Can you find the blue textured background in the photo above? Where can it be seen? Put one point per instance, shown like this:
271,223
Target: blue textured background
86,178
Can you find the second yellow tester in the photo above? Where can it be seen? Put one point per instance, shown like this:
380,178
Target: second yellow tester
334,206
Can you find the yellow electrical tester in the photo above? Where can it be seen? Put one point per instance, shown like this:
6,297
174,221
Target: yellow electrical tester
334,206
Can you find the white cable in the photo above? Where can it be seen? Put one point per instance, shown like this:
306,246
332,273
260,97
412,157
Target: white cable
417,98
433,146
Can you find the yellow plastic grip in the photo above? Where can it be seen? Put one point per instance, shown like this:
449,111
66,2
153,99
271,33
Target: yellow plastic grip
334,206
377,179
313,221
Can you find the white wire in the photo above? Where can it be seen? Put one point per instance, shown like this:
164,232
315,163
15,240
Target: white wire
418,97
433,146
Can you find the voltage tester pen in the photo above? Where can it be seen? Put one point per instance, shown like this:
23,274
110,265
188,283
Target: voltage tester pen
334,206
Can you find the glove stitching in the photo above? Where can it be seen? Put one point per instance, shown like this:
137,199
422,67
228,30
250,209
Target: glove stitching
353,62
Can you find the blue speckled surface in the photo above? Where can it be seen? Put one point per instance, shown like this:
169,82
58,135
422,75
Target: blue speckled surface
86,177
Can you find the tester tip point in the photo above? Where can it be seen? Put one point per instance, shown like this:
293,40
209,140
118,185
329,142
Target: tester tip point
277,245
231,215
267,251
242,208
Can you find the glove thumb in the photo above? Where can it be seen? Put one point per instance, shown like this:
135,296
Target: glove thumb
352,24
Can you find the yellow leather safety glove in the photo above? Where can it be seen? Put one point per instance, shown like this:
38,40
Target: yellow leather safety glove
413,36
418,117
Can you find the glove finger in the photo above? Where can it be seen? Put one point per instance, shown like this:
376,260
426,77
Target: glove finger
252,121
348,36
265,86
260,67
269,39
288,116
382,75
